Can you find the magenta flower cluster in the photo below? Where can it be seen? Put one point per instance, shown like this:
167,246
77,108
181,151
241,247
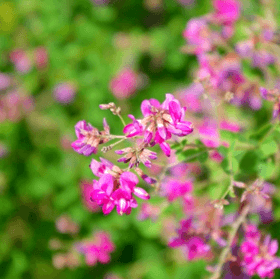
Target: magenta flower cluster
258,253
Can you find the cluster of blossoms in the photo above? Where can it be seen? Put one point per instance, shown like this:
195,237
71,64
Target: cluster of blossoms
96,249
24,61
14,102
258,253
220,74
219,80
116,186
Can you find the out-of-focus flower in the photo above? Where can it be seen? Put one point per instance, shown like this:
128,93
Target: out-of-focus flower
226,12
41,57
87,189
124,84
258,253
21,61
115,188
174,188
5,81
14,105
64,93
194,246
100,2
63,260
97,250
190,97
148,211
64,224
66,141
198,35
89,137
3,150
274,97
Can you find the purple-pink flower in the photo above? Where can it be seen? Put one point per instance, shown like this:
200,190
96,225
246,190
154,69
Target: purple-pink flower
227,12
64,93
98,250
115,187
89,137
160,122
198,35
21,60
174,188
124,84
259,253
194,246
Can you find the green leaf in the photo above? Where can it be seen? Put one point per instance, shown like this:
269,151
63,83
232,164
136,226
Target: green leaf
261,132
268,148
249,162
190,155
266,169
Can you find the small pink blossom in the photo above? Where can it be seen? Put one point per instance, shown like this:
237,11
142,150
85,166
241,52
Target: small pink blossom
41,57
87,189
173,188
89,137
258,253
5,81
194,246
97,250
198,35
115,187
124,84
227,12
160,122
21,61
64,93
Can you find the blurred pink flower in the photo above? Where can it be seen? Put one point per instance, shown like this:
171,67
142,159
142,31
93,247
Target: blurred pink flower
87,189
124,84
41,57
64,92
21,60
64,224
5,81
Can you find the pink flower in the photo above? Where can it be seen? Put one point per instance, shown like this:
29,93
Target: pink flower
64,93
97,250
64,224
115,187
190,97
194,246
230,126
136,155
226,11
173,188
21,61
198,35
124,84
259,253
209,134
87,189
14,105
41,57
160,122
89,138
5,81
148,211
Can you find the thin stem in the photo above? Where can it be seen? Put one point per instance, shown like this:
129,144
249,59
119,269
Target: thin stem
224,255
122,120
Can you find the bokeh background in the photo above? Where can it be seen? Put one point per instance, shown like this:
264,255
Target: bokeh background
59,58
